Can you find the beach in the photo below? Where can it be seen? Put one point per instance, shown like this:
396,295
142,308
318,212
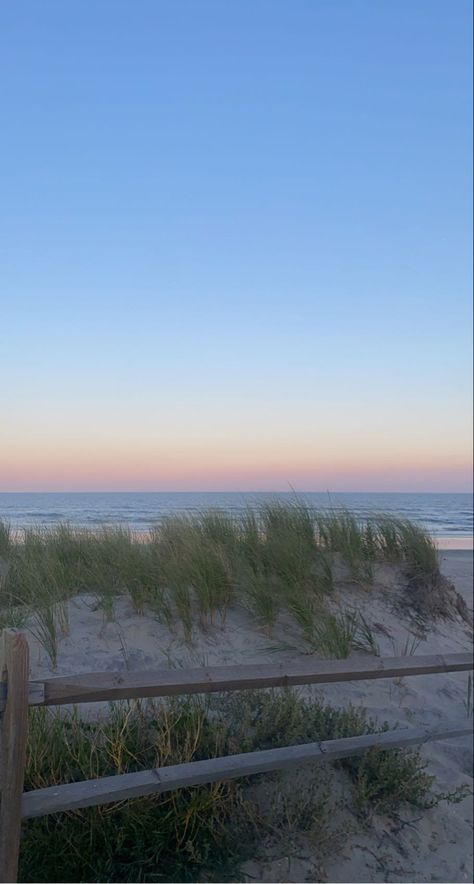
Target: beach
236,496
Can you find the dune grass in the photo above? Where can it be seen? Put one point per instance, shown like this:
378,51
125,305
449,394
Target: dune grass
200,833
275,560
5,539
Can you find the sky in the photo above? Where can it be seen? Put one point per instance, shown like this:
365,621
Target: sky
235,245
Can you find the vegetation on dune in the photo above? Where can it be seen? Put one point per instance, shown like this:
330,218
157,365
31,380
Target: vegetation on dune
200,833
5,539
275,560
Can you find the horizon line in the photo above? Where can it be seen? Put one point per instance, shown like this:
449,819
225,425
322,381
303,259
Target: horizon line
234,491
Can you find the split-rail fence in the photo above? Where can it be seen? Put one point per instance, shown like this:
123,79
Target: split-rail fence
18,693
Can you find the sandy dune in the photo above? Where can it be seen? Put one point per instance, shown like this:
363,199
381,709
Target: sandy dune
436,847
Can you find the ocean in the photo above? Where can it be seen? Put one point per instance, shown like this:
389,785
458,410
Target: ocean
446,515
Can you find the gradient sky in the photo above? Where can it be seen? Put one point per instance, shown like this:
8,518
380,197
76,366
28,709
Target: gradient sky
235,244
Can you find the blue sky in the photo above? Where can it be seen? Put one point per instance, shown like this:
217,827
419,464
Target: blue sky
236,244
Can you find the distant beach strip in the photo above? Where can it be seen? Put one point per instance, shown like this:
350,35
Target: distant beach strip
459,543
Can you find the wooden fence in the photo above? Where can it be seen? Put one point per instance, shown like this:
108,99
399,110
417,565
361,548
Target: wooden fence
17,693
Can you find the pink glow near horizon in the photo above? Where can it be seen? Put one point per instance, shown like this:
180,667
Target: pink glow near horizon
313,460
103,477
233,451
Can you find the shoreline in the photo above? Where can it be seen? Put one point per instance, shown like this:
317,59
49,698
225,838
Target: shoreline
446,542
442,542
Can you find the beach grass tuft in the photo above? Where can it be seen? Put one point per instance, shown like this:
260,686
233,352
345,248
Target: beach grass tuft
5,539
273,559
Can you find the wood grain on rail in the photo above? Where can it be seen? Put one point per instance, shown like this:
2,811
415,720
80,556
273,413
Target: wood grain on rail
97,686
106,790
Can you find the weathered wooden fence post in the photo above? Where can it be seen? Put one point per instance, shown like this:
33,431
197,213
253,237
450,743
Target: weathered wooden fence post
14,664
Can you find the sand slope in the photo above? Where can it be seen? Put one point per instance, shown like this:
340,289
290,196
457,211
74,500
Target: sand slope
435,847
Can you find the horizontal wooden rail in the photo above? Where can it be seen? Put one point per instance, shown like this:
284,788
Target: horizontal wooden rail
87,793
97,686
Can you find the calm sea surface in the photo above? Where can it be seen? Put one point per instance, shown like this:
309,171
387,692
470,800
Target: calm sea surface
449,515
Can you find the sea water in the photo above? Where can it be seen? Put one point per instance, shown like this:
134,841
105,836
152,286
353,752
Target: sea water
447,515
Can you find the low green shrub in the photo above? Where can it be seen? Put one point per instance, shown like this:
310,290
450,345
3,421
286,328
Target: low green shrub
384,780
205,832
